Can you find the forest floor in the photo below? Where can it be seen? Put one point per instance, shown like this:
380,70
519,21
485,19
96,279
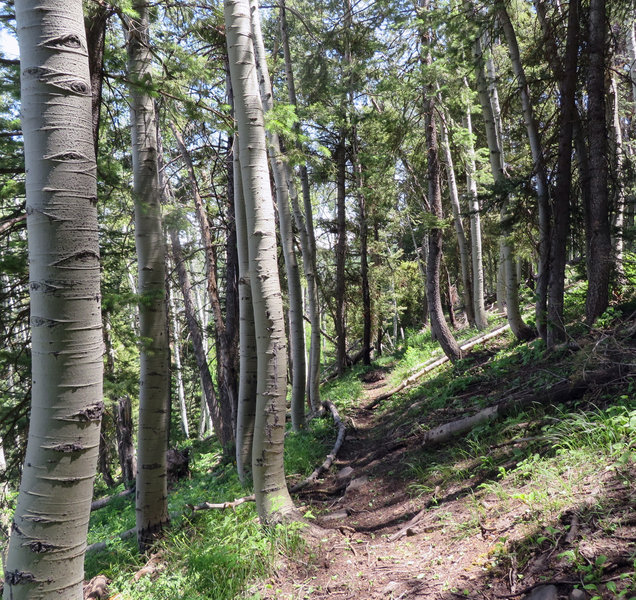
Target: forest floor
524,507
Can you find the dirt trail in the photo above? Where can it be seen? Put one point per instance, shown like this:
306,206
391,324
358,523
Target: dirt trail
387,544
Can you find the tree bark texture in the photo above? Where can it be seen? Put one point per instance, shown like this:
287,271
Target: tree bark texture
154,390
283,179
246,410
597,230
341,255
433,266
273,501
562,192
48,536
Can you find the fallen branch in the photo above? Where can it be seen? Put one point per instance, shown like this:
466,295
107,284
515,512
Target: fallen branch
97,504
331,456
565,390
220,505
434,363
101,546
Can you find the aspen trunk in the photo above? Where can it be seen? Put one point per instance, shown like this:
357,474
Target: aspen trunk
539,167
459,229
246,410
341,254
176,338
282,181
493,134
307,237
154,389
481,321
273,501
45,556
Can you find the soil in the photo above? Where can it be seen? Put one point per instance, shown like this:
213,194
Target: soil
385,539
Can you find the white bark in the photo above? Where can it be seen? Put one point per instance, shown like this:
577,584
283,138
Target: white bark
176,337
152,493
283,181
272,498
459,226
481,320
48,536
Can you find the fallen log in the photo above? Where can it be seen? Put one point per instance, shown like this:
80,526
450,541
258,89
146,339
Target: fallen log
220,505
101,502
433,363
560,392
326,465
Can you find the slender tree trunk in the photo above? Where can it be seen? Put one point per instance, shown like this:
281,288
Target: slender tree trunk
154,399
556,285
194,328
231,288
433,266
464,258
439,327
597,230
539,168
481,321
125,445
518,327
364,252
95,21
273,501
45,557
283,180
341,253
221,412
246,413
307,237
176,339
618,192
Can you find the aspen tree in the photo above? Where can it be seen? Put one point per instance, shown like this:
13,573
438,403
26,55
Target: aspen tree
273,501
48,536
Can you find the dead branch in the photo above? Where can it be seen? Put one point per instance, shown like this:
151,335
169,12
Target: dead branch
331,456
220,505
97,504
433,363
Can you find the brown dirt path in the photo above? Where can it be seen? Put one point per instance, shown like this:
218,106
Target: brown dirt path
454,547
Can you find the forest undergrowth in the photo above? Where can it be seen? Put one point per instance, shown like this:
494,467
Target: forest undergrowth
540,493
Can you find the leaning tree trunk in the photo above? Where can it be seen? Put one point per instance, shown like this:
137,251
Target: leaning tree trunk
539,168
45,556
459,229
154,390
273,501
282,182
597,230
